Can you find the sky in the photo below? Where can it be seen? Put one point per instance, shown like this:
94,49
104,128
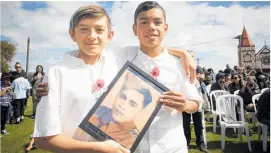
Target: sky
206,28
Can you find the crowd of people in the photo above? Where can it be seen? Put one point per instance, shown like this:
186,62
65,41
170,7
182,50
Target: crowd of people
16,88
237,81
60,113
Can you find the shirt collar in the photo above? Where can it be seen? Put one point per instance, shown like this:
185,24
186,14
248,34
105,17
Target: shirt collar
144,57
78,62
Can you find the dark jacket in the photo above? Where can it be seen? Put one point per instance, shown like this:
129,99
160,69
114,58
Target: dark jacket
246,95
232,87
263,109
216,86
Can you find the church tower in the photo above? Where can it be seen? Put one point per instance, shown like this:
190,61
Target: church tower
246,51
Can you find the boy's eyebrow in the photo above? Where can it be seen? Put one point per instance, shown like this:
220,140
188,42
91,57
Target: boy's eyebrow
100,26
158,19
143,18
146,18
81,24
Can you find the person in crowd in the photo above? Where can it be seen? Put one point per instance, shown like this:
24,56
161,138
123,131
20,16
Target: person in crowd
20,87
218,85
261,78
247,92
197,116
263,109
37,78
236,84
259,72
228,70
207,80
261,81
235,69
227,80
212,75
242,72
18,73
6,97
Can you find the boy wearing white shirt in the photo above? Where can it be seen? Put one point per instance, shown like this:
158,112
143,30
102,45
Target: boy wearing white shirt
89,33
60,113
165,135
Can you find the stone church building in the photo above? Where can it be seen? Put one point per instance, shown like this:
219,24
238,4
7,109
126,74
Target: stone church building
248,58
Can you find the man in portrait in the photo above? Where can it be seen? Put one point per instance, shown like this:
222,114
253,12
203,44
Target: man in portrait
119,121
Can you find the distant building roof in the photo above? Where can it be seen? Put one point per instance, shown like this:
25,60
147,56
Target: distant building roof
246,41
264,50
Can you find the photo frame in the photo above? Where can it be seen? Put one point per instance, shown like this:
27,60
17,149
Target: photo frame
125,111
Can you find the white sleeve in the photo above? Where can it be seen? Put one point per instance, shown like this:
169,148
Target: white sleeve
122,54
191,93
47,121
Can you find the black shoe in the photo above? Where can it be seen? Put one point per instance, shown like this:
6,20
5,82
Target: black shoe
202,147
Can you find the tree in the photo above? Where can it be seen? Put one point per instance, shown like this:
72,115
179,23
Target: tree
8,50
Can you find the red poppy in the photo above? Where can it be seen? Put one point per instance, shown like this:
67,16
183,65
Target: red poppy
98,85
155,72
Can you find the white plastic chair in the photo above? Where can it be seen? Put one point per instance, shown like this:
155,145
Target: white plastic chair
236,92
253,114
216,94
204,128
264,89
264,129
226,106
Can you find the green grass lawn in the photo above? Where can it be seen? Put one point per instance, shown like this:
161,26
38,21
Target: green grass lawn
18,138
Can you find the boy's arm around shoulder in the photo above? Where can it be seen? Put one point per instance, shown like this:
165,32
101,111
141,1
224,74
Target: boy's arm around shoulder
188,62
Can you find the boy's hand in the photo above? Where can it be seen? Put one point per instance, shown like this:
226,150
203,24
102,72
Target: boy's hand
189,66
42,90
174,100
110,146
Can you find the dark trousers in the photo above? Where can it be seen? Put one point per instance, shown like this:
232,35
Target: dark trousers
4,116
198,127
18,107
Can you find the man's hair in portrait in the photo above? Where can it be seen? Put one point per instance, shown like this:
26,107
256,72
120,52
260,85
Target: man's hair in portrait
90,11
145,6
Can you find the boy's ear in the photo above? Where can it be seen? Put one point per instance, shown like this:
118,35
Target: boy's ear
134,29
166,28
72,35
111,35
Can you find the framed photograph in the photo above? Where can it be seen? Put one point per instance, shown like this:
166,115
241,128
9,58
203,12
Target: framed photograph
125,111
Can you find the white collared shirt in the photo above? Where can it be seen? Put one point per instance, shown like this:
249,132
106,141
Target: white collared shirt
70,95
165,135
